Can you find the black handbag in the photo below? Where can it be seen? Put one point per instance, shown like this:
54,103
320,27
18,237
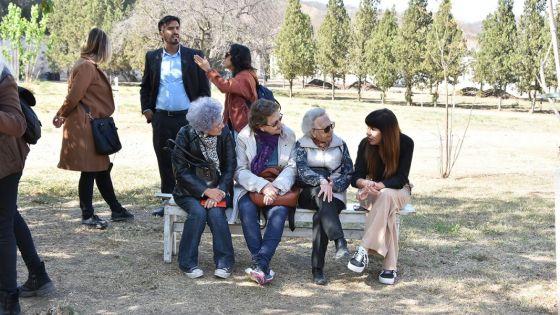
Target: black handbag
203,169
105,136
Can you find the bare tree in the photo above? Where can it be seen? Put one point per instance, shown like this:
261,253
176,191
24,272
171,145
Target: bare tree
210,25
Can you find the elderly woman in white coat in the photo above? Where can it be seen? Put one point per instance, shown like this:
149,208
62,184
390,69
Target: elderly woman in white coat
264,143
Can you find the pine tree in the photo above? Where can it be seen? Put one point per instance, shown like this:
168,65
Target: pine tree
295,45
530,48
380,52
363,28
411,45
446,49
496,56
332,42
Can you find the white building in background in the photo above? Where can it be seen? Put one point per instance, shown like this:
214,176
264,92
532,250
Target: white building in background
41,65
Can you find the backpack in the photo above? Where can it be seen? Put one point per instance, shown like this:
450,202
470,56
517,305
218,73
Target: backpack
33,131
264,93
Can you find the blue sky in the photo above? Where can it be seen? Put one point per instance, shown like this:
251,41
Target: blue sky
464,10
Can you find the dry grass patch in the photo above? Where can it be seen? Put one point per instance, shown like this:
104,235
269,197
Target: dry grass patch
482,241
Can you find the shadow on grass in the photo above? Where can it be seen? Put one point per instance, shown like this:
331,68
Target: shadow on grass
452,250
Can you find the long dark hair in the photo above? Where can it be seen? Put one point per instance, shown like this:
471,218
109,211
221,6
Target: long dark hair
389,148
240,58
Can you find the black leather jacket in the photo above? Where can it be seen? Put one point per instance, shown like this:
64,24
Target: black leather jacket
187,182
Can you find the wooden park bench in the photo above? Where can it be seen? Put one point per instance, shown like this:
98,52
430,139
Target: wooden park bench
352,220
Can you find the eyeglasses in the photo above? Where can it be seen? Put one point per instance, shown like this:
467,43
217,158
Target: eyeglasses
227,55
326,129
275,124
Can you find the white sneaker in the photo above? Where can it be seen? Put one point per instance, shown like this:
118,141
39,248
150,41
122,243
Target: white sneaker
223,273
387,276
194,273
360,260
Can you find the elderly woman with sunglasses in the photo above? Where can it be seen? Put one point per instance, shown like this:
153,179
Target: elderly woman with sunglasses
203,163
240,90
265,143
324,169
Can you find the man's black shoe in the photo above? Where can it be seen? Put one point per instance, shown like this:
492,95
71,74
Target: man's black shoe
319,276
158,212
122,215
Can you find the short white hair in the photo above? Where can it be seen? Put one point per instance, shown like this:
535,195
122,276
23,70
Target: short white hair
204,114
309,119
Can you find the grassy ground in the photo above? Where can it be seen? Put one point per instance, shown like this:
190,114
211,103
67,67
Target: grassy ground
482,241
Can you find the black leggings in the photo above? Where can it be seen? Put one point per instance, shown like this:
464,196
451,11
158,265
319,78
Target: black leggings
13,230
105,186
326,222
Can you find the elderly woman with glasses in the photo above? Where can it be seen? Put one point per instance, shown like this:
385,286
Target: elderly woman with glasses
204,163
240,90
324,169
265,143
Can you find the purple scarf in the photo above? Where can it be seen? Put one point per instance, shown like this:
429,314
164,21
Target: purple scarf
268,143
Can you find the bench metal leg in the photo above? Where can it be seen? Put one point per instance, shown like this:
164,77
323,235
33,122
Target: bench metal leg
167,239
174,236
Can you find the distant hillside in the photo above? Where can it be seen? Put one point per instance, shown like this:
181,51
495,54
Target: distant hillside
317,11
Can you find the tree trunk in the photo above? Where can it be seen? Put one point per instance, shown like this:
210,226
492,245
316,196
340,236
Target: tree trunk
324,81
303,83
447,131
359,88
382,97
408,94
291,85
453,95
436,95
554,36
332,95
344,82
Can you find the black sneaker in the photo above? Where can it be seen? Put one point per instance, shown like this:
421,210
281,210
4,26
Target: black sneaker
122,215
341,249
388,276
318,276
95,222
360,260
38,283
158,212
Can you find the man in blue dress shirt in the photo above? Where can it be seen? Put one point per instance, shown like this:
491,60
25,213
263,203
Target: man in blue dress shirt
171,81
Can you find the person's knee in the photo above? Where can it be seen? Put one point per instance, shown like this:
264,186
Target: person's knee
197,213
217,216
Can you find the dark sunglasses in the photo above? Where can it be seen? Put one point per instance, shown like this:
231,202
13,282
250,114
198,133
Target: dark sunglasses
227,55
275,124
326,129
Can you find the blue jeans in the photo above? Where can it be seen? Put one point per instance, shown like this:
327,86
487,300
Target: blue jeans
197,218
262,247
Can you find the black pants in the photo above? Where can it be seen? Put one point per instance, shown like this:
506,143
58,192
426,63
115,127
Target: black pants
105,186
166,126
326,222
13,230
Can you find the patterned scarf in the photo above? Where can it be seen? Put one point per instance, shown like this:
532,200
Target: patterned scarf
268,143
209,148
